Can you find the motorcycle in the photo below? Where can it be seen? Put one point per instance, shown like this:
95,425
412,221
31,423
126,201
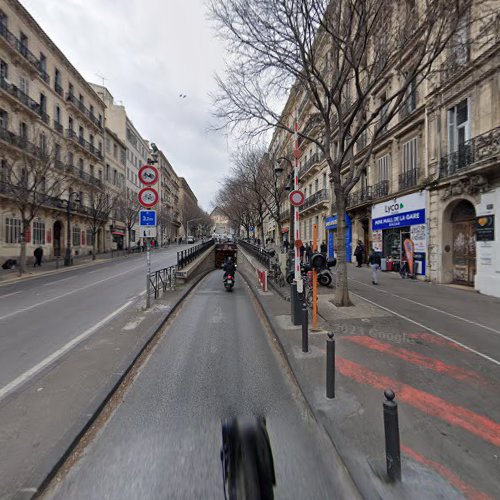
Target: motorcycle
229,282
324,275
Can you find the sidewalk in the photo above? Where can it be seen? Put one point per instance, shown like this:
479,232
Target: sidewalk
447,395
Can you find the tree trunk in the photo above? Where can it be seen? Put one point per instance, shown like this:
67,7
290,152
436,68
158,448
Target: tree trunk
22,255
341,298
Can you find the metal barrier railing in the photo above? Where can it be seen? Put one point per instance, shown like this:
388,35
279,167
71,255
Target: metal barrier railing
184,257
162,279
263,256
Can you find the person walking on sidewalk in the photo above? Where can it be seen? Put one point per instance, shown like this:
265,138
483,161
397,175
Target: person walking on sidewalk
38,254
359,252
286,245
374,261
308,252
323,248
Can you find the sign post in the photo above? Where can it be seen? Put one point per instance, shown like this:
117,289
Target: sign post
148,198
315,280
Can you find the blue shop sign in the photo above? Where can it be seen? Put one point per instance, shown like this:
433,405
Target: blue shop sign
399,220
330,226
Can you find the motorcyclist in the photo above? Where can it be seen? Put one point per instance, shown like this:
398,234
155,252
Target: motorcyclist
229,267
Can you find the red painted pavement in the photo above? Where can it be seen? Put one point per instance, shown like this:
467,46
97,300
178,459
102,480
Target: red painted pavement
416,359
469,492
434,339
478,425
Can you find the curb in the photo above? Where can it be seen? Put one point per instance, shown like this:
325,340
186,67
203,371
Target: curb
81,428
355,492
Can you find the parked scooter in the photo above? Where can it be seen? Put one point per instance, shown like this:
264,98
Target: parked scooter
324,274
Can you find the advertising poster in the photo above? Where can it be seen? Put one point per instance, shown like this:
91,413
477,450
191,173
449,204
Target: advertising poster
409,252
418,236
377,241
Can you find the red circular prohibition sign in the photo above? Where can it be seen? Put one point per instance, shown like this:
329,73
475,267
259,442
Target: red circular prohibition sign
148,197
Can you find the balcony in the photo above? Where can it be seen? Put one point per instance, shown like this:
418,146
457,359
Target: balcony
313,161
84,111
408,179
85,145
368,194
84,176
17,47
44,76
408,106
284,215
476,152
18,142
58,127
59,89
320,197
19,96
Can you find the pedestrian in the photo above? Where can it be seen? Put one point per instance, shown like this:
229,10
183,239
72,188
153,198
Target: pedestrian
286,244
308,252
359,252
323,248
374,261
302,250
38,254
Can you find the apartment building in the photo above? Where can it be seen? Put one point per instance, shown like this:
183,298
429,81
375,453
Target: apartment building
169,217
47,112
189,206
433,175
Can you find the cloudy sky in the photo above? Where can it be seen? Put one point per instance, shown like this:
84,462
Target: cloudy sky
149,52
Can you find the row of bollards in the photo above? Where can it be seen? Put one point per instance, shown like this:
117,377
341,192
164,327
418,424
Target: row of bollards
391,424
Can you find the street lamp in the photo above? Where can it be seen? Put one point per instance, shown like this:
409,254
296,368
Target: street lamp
67,253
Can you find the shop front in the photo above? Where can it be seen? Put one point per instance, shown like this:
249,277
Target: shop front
331,229
118,234
395,222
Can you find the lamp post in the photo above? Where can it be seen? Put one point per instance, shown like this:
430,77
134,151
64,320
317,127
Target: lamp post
67,253
187,225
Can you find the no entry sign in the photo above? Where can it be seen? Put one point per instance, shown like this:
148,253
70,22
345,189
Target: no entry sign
148,174
297,198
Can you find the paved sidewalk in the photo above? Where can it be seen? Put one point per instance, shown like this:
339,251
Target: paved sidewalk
446,386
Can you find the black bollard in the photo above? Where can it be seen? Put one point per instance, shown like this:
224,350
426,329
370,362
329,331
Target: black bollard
305,334
391,426
330,366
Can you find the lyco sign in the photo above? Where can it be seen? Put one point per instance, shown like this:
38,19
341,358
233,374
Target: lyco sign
399,212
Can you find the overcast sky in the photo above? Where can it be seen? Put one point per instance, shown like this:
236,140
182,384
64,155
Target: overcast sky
149,52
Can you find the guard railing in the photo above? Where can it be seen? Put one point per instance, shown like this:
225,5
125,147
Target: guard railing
162,279
186,256
262,255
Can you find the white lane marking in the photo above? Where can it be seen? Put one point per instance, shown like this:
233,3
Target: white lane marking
9,294
433,308
59,281
57,354
430,330
92,272
13,313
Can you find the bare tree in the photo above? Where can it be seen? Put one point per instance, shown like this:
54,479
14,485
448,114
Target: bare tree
34,179
101,204
128,207
352,64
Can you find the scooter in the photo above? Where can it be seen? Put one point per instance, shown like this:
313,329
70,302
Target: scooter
324,275
229,283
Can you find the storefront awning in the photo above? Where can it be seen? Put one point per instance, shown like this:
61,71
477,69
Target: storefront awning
118,232
285,230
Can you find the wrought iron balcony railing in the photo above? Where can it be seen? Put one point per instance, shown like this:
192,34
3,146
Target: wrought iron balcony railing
58,89
313,160
284,215
320,196
58,126
83,109
71,134
20,47
408,179
18,141
368,193
19,95
408,106
480,148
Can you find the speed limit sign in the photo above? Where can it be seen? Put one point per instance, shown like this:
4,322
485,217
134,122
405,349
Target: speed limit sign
148,197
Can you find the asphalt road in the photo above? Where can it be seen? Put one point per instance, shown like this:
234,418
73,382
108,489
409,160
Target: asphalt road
41,317
163,441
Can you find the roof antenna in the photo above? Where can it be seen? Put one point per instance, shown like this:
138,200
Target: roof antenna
102,78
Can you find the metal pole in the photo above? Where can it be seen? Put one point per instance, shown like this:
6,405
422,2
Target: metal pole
148,274
315,281
67,252
391,427
305,338
330,366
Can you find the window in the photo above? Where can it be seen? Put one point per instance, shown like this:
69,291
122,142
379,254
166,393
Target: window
71,88
43,63
39,233
3,22
4,69
80,98
316,185
76,236
4,119
70,124
23,46
383,111
57,81
115,150
89,236
4,173
91,137
42,143
71,158
43,103
81,198
23,131
12,230
324,181
108,174
58,114
100,175
92,170
100,147
80,166
80,132
108,144
115,177
58,151
91,108
100,119
409,152
383,171
458,126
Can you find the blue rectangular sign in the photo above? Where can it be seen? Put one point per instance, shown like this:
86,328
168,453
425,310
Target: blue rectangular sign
399,220
147,218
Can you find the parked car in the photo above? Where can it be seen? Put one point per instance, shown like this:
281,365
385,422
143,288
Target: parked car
190,239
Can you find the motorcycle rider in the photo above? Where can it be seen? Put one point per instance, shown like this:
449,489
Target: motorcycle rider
229,267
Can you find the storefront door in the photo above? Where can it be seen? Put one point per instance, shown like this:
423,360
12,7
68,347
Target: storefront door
57,238
464,244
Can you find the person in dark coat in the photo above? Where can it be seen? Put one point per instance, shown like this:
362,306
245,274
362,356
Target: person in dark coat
308,252
323,248
302,249
359,252
374,261
38,254
286,244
